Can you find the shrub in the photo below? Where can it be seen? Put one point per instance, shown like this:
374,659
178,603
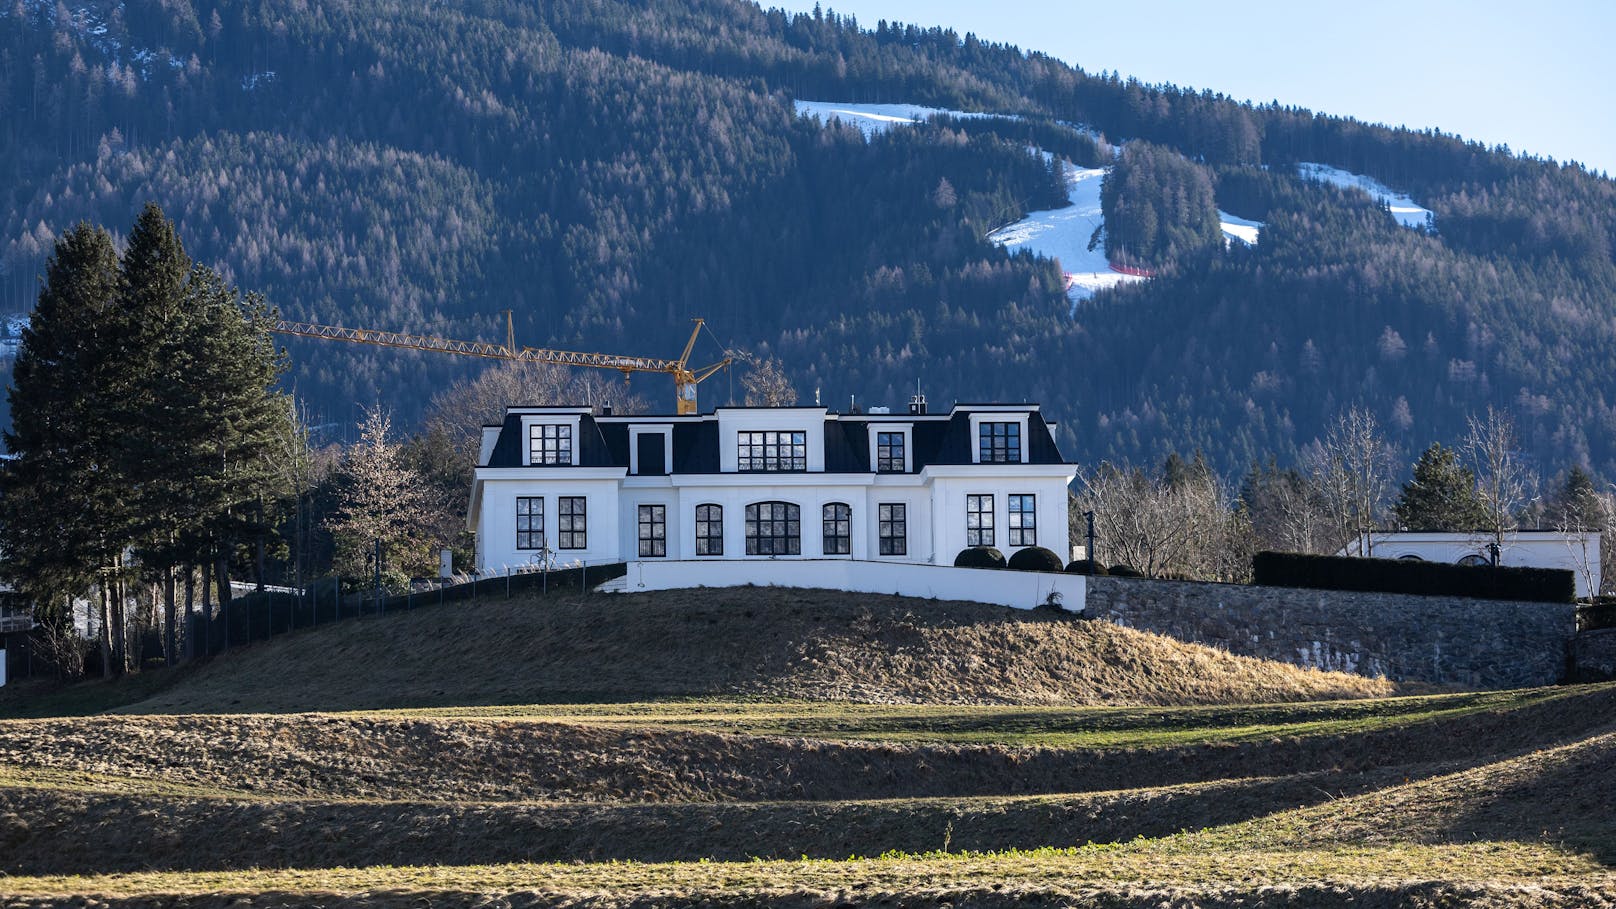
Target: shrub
1126,571
1437,579
1086,566
1600,612
979,557
1036,558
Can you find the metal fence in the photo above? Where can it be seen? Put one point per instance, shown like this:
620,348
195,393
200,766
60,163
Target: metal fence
254,617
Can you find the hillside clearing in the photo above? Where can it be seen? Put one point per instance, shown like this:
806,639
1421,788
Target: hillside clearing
753,642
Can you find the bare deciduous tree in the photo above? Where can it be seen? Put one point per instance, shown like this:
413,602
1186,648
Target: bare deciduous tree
1503,481
1183,528
381,499
1351,467
766,382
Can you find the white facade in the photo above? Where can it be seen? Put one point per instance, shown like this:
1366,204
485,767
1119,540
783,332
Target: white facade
1016,589
1576,552
767,483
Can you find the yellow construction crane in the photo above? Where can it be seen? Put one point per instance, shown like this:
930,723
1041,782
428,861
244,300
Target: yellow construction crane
685,379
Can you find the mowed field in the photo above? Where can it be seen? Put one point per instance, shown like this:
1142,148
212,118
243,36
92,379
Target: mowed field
792,748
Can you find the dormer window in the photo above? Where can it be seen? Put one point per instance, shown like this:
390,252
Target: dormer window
999,443
889,452
772,450
550,444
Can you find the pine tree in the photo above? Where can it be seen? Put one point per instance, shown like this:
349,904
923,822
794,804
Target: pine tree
1577,505
58,512
1441,496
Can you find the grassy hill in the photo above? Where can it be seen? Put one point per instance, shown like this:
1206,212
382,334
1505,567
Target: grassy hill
768,747
752,642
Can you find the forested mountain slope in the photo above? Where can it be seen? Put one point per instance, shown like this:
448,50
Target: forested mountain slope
608,170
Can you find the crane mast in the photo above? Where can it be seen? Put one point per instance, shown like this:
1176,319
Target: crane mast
685,379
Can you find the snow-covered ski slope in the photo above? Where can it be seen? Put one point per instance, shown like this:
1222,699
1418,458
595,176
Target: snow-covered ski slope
1407,212
1064,233
1061,233
875,118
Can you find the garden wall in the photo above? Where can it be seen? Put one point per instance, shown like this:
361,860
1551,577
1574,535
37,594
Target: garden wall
1442,640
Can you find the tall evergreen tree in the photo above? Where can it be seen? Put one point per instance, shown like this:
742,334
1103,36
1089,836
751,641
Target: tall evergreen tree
145,421
55,514
1441,495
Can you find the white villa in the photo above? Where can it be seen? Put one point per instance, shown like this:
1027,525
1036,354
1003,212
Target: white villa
564,486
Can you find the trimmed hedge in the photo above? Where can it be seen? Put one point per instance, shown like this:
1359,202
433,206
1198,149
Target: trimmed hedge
1596,614
1086,566
1432,579
979,557
1036,558
1125,571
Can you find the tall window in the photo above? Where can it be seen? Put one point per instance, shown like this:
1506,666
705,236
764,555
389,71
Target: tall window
889,452
772,450
838,529
653,531
892,522
1023,520
572,522
773,528
999,443
709,530
979,520
549,443
529,522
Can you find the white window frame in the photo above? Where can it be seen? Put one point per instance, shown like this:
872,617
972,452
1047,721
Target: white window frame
1028,532
984,528
529,421
634,433
977,419
908,431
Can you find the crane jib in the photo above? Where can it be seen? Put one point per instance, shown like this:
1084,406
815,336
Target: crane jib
684,378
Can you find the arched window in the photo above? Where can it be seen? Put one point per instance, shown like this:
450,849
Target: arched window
773,528
709,530
838,529
1474,561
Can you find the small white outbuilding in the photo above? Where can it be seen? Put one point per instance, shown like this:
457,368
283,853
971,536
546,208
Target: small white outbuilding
1574,551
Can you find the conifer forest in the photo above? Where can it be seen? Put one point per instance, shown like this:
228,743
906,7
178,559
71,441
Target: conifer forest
609,170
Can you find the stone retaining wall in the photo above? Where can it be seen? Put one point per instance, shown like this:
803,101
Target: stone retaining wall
1443,640
1593,654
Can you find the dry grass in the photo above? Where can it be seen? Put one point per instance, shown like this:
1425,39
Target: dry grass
814,645
1559,794
488,783
1152,874
433,758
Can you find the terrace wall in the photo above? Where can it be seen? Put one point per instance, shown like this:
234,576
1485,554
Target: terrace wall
1441,640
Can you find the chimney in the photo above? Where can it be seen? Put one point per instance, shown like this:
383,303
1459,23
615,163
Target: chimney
606,409
917,405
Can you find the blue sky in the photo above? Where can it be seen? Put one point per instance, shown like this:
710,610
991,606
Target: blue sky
1539,77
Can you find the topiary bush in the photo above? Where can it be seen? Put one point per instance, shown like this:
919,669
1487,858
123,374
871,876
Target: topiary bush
979,557
1126,571
1086,566
1035,558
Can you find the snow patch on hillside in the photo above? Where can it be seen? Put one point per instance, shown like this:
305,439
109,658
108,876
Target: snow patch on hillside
1407,212
1064,233
872,119
1237,228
